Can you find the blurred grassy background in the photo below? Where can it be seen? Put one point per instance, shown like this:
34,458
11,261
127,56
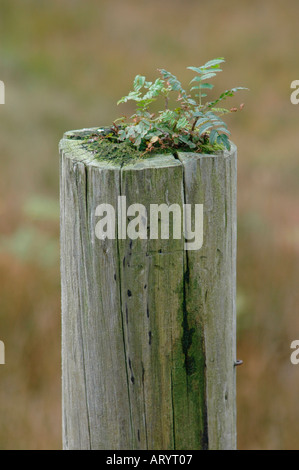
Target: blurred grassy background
65,64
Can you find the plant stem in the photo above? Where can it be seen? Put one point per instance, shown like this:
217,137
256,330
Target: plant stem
166,102
194,124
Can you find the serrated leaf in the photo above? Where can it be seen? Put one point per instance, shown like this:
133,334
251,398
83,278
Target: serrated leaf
223,129
208,75
187,141
167,116
220,110
138,82
213,136
212,116
207,86
199,113
225,95
192,102
214,69
223,139
205,127
213,62
182,123
196,79
195,69
133,95
175,84
122,135
202,121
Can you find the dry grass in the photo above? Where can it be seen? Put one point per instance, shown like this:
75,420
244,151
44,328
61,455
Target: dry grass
65,64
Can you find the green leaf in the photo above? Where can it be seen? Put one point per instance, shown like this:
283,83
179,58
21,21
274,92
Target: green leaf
196,79
223,129
213,136
205,127
185,139
154,90
208,75
175,84
192,102
168,117
133,95
215,118
138,82
225,95
207,86
182,123
223,139
199,114
122,135
211,64
195,69
201,121
220,110
214,62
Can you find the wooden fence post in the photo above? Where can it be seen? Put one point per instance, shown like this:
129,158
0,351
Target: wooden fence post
148,327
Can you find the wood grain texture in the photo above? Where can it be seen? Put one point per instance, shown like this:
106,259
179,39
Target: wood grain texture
148,328
212,287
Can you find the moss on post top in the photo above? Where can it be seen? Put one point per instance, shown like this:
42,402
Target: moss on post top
84,146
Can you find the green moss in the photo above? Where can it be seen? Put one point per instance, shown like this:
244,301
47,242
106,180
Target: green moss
118,152
111,150
104,148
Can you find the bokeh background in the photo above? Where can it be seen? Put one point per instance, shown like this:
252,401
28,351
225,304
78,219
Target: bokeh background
65,64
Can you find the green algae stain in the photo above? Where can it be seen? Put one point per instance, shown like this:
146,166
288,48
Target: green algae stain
189,371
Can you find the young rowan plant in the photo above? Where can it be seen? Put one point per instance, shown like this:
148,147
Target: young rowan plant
194,123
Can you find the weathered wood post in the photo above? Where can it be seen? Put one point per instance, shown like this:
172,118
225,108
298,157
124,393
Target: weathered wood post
148,327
